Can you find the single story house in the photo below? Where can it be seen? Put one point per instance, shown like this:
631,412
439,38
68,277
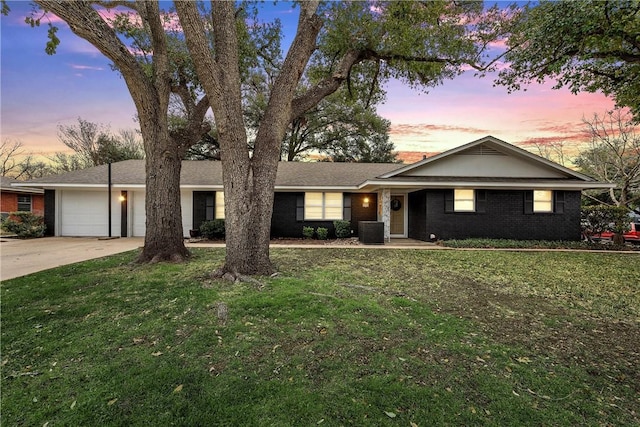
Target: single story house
486,188
19,199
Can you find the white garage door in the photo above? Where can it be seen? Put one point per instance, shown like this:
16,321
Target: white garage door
84,213
138,214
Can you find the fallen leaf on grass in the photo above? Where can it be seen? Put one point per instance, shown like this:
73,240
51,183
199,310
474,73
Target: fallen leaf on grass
157,353
73,405
112,401
523,359
390,414
412,424
178,389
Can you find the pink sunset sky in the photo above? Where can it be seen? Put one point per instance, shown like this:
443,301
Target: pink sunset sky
40,92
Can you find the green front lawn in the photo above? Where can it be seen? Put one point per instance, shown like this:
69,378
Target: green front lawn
340,337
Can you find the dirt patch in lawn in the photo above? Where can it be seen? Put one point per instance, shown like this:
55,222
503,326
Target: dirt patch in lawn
606,347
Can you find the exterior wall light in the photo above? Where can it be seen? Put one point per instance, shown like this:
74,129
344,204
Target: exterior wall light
365,202
122,198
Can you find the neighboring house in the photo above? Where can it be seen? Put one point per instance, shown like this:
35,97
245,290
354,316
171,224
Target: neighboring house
487,188
24,199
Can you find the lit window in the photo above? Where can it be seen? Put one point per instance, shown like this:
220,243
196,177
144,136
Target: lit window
322,206
464,200
219,205
542,201
24,203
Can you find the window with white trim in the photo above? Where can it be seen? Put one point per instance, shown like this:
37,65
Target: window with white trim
464,200
322,206
219,205
542,201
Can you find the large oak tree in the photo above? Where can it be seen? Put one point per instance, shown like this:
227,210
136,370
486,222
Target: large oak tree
151,74
420,43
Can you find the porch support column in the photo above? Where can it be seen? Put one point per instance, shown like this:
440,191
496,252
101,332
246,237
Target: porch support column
386,213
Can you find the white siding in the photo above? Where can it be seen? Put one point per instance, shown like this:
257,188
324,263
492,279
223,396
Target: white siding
138,215
186,205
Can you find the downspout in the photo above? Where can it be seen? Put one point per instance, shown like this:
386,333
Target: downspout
109,194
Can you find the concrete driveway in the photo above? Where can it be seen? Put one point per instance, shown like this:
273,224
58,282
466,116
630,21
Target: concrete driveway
21,257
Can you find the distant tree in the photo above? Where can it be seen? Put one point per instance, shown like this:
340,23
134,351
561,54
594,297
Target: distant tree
94,145
359,149
17,163
554,151
341,128
9,158
207,148
613,155
589,45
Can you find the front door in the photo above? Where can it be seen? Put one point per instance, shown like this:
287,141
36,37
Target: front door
397,215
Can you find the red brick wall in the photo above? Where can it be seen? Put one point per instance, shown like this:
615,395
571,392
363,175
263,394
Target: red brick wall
9,203
37,204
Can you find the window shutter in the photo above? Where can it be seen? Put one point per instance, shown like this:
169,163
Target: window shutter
558,202
481,201
448,201
528,202
300,207
346,207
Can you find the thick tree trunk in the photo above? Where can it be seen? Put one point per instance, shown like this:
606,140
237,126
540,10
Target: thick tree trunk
163,237
249,206
163,240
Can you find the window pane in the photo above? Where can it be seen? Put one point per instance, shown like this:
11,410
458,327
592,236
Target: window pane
313,212
313,206
464,200
24,203
464,205
333,213
219,205
333,206
542,201
333,199
313,199
463,194
209,211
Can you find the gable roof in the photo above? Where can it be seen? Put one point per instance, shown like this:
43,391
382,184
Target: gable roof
491,146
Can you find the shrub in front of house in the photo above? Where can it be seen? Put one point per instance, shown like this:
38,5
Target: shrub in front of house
307,232
213,229
24,224
343,229
322,233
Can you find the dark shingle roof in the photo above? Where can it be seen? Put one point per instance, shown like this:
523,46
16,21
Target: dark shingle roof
209,173
6,185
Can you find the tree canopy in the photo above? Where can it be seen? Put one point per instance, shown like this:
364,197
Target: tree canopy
590,45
